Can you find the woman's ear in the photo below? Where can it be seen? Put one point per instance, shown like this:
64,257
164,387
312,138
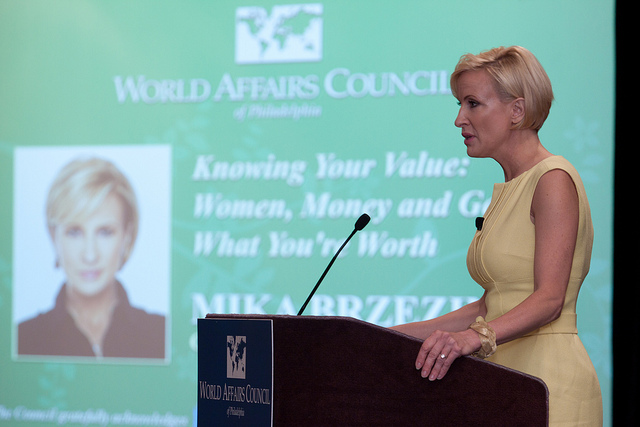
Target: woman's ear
127,244
517,111
52,235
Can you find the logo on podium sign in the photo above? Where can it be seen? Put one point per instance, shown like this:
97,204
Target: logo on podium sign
236,361
235,372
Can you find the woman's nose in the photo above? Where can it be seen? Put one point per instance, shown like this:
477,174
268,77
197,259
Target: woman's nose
460,119
89,252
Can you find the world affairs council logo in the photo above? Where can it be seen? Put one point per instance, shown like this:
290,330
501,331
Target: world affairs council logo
290,33
236,357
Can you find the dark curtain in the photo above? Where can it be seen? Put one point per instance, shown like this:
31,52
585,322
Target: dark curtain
626,290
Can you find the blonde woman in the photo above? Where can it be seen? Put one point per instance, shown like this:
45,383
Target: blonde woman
533,250
92,218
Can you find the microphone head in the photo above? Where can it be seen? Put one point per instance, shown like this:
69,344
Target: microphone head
362,222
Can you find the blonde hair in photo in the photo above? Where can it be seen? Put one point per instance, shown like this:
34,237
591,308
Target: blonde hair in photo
79,190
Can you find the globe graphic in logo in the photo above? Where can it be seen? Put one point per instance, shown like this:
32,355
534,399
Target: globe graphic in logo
289,33
236,357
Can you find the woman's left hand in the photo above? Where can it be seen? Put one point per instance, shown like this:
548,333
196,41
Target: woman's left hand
438,352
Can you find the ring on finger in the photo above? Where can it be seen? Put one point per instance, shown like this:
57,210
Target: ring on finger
443,356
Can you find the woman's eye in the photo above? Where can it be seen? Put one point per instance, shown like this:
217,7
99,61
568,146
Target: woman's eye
73,231
470,102
106,231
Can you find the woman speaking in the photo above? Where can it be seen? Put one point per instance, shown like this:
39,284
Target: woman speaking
533,250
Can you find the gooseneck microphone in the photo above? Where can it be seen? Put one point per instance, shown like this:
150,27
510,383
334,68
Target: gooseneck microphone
360,224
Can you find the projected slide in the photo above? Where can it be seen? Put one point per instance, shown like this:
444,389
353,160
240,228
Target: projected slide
231,146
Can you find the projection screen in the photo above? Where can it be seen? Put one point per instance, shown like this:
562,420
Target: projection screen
254,134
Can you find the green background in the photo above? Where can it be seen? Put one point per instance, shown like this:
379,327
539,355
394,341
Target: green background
58,62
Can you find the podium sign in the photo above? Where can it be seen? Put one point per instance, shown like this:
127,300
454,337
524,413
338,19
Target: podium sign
235,372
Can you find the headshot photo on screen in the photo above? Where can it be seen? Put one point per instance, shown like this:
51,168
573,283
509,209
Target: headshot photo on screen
92,218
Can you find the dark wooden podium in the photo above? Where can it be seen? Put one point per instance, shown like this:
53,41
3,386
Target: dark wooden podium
336,371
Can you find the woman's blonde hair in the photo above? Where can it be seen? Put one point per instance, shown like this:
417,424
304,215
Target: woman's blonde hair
81,187
517,74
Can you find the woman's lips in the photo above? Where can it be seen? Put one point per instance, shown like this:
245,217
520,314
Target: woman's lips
90,274
467,136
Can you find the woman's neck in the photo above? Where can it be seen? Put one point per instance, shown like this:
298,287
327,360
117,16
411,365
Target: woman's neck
92,313
523,152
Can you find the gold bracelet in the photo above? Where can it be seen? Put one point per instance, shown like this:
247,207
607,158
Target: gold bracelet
487,337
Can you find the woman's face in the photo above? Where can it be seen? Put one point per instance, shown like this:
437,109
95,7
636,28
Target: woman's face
90,250
484,118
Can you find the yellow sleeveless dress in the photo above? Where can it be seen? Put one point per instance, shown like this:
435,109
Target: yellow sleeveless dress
500,259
